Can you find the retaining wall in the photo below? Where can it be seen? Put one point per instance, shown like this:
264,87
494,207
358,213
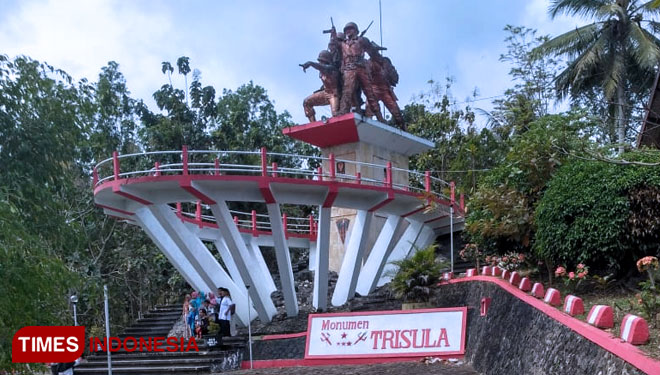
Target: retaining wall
517,338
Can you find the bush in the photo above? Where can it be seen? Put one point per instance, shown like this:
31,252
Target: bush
586,216
416,275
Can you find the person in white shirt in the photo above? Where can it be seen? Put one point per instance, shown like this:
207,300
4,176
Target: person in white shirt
226,308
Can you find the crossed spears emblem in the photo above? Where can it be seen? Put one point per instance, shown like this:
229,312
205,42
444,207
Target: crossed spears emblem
325,337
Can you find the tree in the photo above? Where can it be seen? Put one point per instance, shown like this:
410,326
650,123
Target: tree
459,149
167,69
183,63
501,213
617,53
533,91
602,214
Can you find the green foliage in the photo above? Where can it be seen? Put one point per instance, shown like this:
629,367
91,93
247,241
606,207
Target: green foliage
533,90
501,213
583,215
615,55
460,150
417,275
33,280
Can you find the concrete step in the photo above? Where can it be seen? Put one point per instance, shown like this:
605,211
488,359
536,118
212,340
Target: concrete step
139,370
163,315
154,323
138,356
165,328
193,360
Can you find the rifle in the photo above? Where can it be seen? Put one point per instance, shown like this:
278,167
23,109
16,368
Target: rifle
365,30
328,31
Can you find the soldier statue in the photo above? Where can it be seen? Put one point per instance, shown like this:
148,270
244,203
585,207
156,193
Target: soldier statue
354,69
383,78
346,73
329,92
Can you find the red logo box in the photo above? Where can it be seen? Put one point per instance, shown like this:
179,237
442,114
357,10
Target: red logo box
58,344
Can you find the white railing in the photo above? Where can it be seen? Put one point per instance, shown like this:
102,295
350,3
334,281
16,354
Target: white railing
256,163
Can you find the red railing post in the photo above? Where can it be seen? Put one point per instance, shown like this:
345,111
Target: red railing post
217,167
198,213
311,227
452,186
332,166
286,226
462,202
254,222
115,164
319,172
178,208
388,174
95,177
358,177
157,168
427,181
274,168
184,157
264,162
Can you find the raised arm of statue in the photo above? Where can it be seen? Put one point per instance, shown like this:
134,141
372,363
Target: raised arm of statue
321,67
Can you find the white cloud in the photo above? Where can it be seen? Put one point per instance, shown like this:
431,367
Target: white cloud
81,36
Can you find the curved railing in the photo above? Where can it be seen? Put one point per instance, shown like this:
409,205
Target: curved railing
263,163
253,223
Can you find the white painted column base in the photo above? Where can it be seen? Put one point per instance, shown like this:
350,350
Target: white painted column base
375,263
350,266
400,251
283,259
320,297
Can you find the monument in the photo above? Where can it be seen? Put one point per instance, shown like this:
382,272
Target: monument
370,209
356,147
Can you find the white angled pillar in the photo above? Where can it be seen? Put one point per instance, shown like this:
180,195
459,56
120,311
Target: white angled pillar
373,267
350,266
199,256
229,263
159,236
426,237
283,259
400,251
248,268
258,259
312,255
320,298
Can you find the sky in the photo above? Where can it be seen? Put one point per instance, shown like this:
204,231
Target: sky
234,42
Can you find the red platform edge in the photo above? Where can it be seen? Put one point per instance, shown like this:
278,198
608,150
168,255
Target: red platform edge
335,131
605,340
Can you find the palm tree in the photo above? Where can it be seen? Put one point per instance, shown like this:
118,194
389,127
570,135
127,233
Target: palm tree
167,68
618,52
183,63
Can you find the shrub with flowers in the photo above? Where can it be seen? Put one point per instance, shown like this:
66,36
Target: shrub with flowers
648,300
471,252
572,279
511,261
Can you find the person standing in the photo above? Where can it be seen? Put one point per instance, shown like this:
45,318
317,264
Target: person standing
225,312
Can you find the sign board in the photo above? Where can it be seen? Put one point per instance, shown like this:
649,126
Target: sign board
406,333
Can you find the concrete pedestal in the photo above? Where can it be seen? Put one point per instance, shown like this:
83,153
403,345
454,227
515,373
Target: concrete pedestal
353,138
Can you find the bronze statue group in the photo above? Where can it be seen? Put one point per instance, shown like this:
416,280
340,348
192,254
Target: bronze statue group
346,74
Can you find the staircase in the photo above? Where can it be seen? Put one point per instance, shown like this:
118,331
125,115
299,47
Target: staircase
158,323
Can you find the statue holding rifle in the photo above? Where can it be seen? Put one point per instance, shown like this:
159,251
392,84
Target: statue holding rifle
346,73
